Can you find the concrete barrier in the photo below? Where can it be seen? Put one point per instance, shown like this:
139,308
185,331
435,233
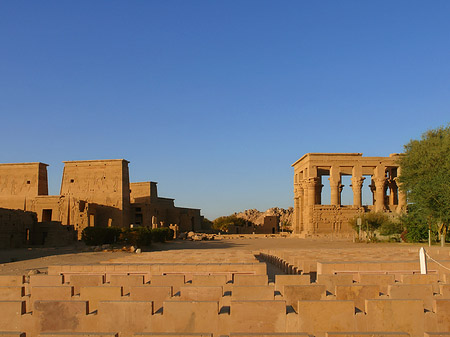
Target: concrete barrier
175,281
422,292
190,316
257,316
58,316
250,280
293,294
201,293
126,281
249,293
396,316
83,280
326,316
156,294
292,280
11,293
209,280
357,293
101,293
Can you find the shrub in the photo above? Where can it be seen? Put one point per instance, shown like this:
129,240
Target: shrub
371,222
162,234
94,236
139,236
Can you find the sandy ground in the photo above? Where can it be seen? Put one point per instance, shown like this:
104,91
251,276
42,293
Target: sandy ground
24,261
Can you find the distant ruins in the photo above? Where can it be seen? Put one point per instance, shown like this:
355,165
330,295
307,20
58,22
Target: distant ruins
93,193
310,172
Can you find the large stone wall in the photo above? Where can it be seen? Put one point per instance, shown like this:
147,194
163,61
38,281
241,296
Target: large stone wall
93,193
101,182
312,217
150,210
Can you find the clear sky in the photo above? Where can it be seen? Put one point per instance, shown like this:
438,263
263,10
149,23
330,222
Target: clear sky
216,99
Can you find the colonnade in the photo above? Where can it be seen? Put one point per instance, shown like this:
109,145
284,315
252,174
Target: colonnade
308,190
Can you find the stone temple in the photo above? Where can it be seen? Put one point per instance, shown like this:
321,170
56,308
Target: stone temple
93,193
312,217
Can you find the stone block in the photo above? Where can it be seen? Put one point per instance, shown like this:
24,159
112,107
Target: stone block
330,281
85,280
11,293
201,293
46,280
126,281
56,293
11,280
357,293
318,317
58,316
250,293
101,293
172,334
382,280
250,280
175,281
12,334
313,292
291,280
10,315
189,316
261,334
367,334
125,317
442,310
421,279
209,280
156,294
257,316
396,316
79,334
422,292
444,290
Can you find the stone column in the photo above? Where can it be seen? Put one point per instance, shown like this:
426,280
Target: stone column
334,192
335,186
393,192
319,192
379,194
313,184
401,207
357,183
298,194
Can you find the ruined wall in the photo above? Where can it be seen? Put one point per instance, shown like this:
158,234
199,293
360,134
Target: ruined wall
16,228
101,182
146,204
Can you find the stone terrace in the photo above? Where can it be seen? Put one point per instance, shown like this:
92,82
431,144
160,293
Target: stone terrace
371,291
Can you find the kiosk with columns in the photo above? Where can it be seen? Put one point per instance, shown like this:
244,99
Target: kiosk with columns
312,217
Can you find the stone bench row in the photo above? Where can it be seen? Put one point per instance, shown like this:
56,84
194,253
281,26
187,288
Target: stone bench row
297,265
313,317
290,293
169,334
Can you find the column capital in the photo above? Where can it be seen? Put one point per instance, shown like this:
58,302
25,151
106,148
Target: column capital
379,181
357,181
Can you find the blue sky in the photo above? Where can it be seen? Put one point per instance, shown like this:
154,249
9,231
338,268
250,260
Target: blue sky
216,99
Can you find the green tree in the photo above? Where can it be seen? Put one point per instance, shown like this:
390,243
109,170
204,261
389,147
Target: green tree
222,223
425,177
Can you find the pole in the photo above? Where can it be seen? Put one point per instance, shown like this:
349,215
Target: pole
429,238
423,261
